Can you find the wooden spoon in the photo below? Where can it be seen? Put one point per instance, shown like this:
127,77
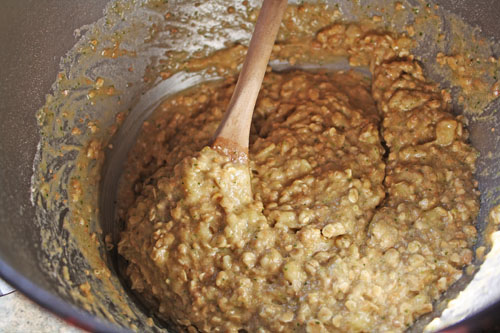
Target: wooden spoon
233,134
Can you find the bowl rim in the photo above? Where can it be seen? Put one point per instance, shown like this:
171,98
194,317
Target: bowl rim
57,306
487,318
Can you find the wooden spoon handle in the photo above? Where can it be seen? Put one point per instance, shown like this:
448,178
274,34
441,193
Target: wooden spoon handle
233,133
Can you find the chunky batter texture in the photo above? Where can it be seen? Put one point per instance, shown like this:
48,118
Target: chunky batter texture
361,207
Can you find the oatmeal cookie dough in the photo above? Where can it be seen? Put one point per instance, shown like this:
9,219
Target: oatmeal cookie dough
339,233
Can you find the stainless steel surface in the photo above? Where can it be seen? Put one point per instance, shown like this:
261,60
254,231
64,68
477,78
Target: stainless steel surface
34,35
483,14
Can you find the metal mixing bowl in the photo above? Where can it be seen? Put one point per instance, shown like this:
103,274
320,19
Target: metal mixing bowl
34,35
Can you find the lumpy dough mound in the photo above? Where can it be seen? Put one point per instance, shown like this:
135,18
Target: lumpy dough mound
355,213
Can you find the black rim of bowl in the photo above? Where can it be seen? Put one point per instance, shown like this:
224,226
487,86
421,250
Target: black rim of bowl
69,313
